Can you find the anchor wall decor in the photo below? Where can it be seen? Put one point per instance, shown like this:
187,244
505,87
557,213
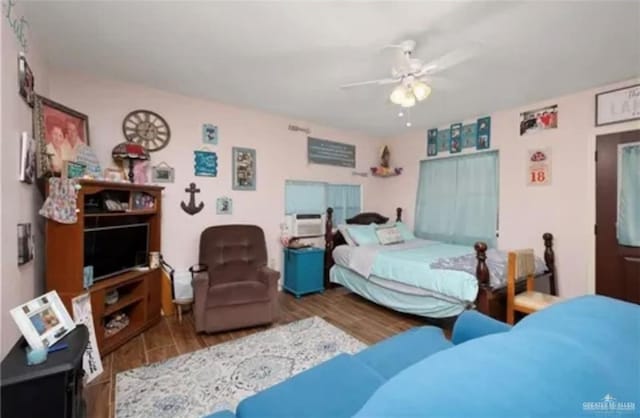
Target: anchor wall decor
191,208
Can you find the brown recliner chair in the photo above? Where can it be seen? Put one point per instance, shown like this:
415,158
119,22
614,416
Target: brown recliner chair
234,288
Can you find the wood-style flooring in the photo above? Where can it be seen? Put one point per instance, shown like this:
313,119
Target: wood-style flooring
362,319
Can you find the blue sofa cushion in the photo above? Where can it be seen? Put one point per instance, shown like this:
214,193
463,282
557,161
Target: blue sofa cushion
391,356
473,324
336,388
550,364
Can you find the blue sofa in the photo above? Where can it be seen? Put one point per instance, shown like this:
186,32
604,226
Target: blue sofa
577,358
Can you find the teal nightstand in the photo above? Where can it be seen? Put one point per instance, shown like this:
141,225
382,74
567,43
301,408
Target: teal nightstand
303,270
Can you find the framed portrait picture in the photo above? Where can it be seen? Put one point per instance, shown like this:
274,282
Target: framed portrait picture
43,320
162,173
224,206
27,158
61,134
244,169
455,141
26,81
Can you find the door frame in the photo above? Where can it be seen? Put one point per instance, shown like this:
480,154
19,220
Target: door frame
591,184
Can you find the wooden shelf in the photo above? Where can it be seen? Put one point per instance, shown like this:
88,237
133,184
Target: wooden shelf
127,300
125,213
114,281
131,329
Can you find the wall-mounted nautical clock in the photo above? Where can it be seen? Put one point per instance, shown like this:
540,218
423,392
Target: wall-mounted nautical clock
146,128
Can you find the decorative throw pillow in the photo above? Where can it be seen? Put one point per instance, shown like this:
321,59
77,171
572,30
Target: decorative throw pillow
345,234
363,234
407,235
389,235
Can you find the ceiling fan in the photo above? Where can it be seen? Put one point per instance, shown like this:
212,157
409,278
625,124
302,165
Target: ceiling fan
412,74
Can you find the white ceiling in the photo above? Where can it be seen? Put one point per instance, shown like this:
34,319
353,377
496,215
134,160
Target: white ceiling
290,57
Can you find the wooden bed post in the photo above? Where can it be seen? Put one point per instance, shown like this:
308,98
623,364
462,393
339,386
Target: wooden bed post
328,247
328,231
482,271
398,214
550,261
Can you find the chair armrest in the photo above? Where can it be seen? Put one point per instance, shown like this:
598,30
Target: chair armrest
200,282
472,324
268,275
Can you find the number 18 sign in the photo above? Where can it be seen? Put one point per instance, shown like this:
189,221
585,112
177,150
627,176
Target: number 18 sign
539,167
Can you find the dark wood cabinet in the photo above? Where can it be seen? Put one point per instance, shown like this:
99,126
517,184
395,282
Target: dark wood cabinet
138,289
52,389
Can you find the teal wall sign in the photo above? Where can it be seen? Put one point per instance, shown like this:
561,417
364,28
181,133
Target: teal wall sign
206,163
321,151
17,24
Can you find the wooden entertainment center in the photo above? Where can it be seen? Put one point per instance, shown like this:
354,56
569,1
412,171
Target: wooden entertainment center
138,290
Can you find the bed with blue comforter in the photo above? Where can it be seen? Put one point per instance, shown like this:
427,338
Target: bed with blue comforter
421,277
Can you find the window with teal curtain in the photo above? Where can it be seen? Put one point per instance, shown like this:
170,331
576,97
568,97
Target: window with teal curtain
305,197
457,199
345,200
316,197
629,195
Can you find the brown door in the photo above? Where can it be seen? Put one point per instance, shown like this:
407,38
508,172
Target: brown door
617,266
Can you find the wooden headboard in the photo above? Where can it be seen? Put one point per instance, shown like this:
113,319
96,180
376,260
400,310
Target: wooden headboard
333,239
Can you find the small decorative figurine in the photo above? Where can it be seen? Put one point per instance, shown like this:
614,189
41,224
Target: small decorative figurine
384,169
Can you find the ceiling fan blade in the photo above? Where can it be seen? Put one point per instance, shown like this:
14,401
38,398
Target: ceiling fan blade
448,60
380,82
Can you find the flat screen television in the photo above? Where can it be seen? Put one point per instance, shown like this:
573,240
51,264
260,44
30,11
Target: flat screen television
116,249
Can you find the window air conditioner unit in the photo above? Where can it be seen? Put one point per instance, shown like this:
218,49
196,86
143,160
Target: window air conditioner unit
307,225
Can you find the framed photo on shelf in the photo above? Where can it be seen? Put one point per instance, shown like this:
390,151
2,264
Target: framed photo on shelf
61,133
72,170
114,175
43,320
244,169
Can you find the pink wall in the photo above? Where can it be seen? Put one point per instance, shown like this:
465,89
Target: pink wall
566,207
19,201
281,155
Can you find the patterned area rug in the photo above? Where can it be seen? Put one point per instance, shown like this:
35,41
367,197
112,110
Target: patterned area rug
219,377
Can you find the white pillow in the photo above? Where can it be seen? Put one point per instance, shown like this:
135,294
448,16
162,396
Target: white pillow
388,235
345,234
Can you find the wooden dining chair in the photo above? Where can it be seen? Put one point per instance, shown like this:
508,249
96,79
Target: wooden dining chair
522,264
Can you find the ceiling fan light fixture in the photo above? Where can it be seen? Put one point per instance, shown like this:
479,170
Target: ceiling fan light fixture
421,90
409,100
398,95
